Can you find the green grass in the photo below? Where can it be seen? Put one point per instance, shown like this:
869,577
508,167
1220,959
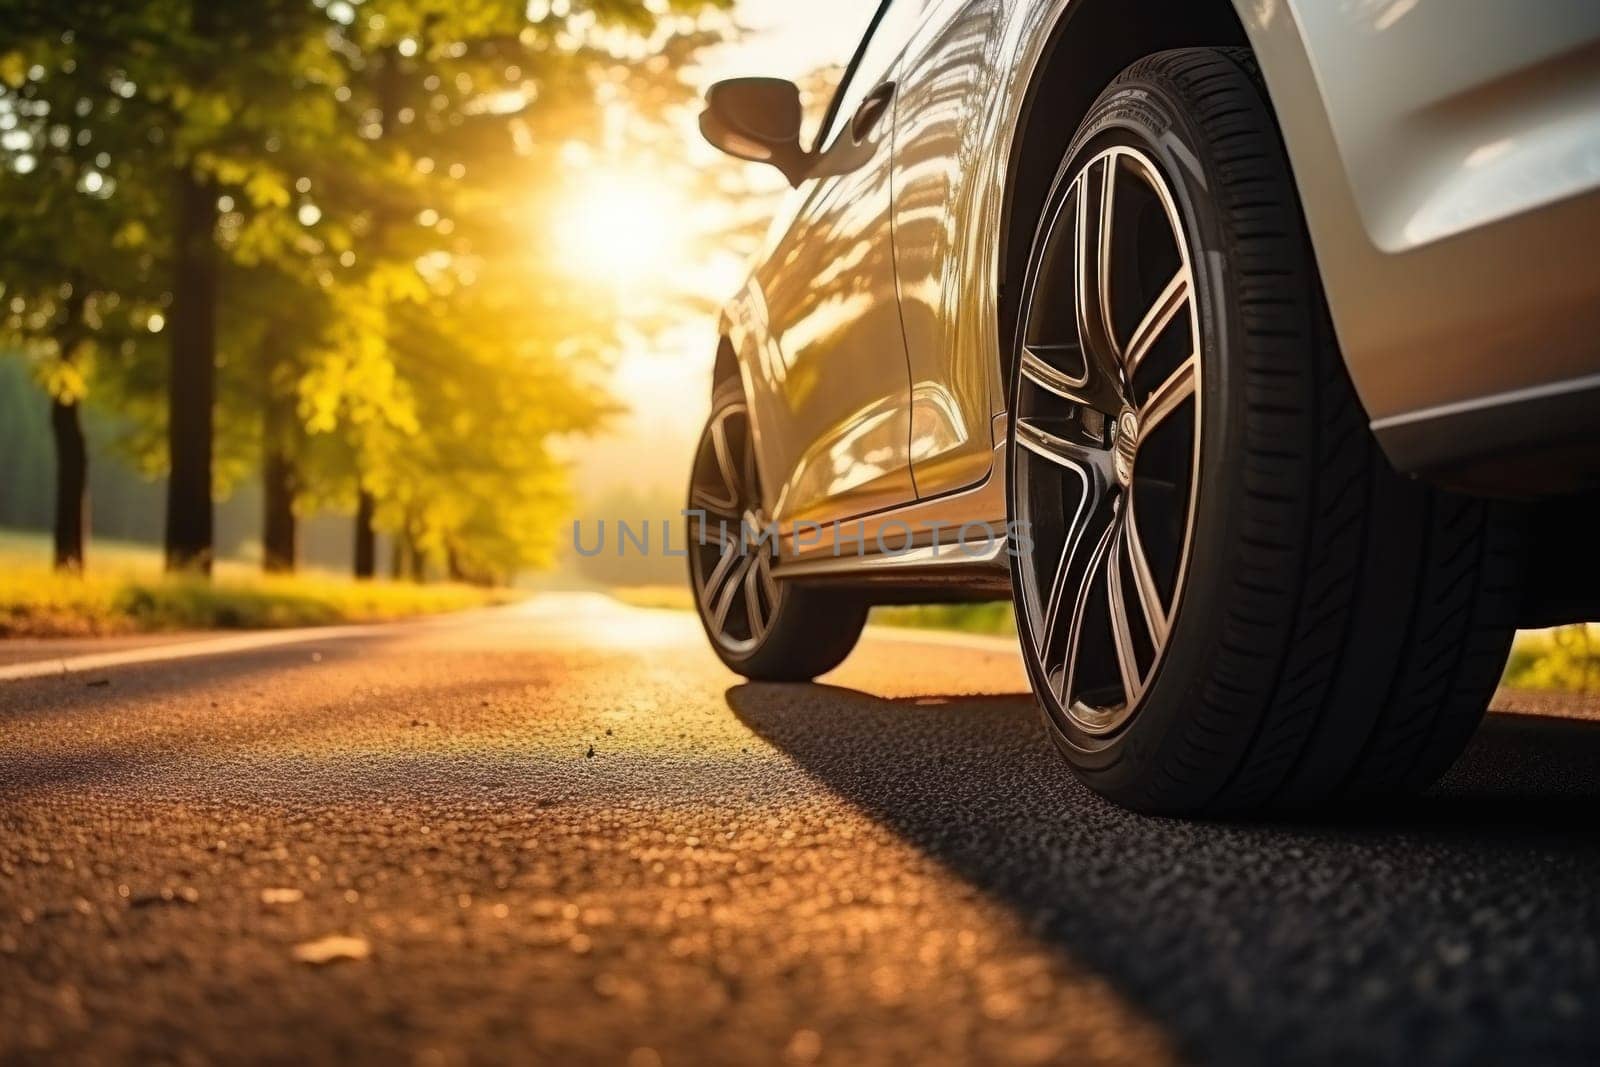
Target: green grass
964,618
23,548
1563,660
994,618
126,592
1566,660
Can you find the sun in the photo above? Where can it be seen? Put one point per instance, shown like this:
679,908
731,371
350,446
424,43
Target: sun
620,228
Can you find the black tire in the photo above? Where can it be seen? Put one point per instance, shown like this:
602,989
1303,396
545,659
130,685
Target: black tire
1340,629
803,631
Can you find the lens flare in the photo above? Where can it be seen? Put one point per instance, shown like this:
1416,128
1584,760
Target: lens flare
621,229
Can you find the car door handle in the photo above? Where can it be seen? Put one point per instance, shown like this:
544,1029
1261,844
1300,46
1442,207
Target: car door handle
871,112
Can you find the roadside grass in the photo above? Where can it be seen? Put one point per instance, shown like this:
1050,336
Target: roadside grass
994,618
986,618
25,548
1564,660
125,592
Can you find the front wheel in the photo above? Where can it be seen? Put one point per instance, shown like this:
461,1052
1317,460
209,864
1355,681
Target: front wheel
760,626
1226,597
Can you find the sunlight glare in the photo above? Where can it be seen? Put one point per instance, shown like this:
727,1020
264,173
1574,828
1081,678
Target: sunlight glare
620,228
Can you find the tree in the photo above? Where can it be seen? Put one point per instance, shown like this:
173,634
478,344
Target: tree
195,96
292,177
466,109
76,281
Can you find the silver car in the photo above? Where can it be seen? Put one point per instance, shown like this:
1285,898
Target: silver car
1251,347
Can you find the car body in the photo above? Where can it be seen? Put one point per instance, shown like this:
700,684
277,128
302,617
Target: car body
1452,193
1275,557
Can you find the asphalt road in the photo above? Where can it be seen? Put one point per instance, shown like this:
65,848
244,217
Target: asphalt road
563,834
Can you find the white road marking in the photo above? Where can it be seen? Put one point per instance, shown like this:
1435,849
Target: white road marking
60,666
206,646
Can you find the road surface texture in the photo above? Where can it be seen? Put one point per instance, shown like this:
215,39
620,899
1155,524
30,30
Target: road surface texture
562,834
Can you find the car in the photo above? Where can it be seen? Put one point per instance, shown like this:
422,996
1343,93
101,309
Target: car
1250,347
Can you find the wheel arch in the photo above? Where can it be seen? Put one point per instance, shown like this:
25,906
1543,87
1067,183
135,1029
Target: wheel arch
1091,42
726,365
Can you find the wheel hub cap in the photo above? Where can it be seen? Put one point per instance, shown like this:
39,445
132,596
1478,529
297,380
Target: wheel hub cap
1126,446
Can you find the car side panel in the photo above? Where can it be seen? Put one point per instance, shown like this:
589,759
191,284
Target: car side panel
1448,156
948,77
822,348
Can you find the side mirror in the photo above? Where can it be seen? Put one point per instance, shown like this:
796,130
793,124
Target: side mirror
757,119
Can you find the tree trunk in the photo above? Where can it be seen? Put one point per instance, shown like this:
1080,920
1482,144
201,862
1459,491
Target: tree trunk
191,387
416,558
72,485
397,558
366,549
280,535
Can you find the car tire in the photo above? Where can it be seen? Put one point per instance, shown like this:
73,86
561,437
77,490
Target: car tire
760,626
1330,629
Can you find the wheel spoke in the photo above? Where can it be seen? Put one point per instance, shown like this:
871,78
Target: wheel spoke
1173,298
1097,389
726,563
1057,449
1169,395
752,597
702,499
1155,616
1080,609
721,601
1096,200
1080,527
1074,569
706,533
1038,370
727,464
1121,631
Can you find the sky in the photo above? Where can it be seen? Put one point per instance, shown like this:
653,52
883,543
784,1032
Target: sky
666,378
791,37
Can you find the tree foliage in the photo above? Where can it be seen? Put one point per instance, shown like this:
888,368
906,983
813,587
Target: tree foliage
301,237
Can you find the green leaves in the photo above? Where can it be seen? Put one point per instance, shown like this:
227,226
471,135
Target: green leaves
378,168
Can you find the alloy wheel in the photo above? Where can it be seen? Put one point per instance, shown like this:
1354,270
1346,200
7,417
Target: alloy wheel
730,561
1106,437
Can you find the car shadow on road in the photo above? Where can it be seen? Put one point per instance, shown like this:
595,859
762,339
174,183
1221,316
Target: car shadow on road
1462,926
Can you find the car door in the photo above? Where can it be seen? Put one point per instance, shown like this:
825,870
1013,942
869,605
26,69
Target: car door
940,122
832,396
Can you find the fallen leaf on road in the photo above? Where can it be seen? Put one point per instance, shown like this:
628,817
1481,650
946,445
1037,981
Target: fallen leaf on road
331,949
282,896
182,895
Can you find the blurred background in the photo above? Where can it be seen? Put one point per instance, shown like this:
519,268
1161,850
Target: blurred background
392,288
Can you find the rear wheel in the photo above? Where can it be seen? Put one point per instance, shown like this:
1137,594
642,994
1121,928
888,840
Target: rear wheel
760,626
1227,599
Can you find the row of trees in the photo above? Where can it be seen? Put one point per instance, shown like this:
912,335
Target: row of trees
294,238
